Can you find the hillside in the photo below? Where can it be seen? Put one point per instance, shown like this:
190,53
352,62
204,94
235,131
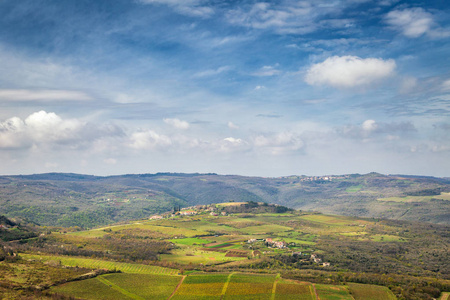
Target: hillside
244,250
87,201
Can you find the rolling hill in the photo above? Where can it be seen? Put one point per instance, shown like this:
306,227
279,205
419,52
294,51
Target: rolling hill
62,199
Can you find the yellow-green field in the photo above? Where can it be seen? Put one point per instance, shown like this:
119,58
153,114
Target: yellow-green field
121,286
207,286
333,292
102,264
370,292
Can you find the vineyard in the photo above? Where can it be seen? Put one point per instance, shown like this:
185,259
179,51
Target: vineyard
103,264
215,286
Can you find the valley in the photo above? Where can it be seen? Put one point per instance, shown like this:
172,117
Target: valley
233,250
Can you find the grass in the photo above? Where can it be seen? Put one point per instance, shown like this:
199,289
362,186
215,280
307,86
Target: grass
287,290
103,264
387,238
190,241
370,292
265,229
243,286
195,255
89,289
121,286
333,292
445,296
329,220
201,287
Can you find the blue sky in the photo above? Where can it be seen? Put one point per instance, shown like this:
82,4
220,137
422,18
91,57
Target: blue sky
233,87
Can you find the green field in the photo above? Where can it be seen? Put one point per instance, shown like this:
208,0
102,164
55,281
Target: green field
201,287
370,292
286,290
121,286
102,264
333,292
243,286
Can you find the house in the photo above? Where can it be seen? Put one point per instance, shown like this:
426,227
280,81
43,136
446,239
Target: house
188,212
156,217
214,214
315,258
326,264
277,244
251,241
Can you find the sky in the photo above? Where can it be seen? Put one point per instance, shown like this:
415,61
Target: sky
254,88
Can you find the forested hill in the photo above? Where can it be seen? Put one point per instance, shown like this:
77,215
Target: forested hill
87,201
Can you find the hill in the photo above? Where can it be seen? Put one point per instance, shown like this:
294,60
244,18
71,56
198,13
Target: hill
239,250
60,199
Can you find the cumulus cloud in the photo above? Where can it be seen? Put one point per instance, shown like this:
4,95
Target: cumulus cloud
349,71
149,139
230,144
415,22
47,128
177,123
42,95
411,22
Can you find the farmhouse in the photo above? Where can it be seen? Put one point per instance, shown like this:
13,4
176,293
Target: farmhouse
156,217
277,244
188,212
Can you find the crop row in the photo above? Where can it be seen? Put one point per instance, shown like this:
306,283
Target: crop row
103,264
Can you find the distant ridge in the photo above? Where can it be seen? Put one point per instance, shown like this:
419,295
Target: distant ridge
70,199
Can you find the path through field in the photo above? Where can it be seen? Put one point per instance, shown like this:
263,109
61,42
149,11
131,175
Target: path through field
225,286
315,292
274,289
178,286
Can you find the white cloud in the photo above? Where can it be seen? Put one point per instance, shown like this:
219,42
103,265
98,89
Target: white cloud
146,140
349,71
415,22
177,123
369,125
231,144
46,129
42,95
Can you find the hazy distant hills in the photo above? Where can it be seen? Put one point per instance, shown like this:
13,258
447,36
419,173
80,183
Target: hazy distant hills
87,201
